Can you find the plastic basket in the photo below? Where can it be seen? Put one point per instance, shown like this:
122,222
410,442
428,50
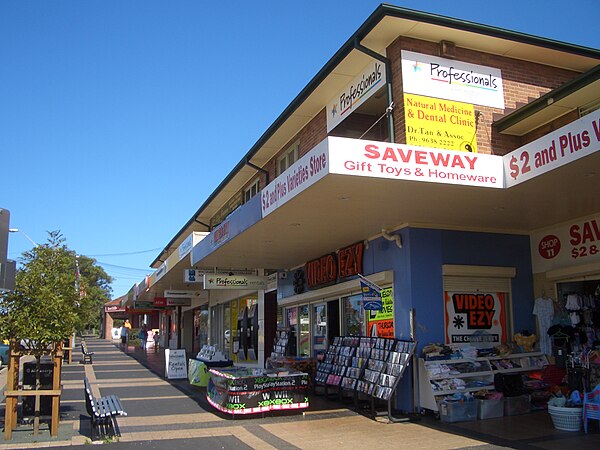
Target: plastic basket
566,419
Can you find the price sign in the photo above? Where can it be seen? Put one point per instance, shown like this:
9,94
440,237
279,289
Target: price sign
576,242
567,144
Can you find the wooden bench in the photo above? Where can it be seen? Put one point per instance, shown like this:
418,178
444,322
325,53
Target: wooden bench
87,355
103,412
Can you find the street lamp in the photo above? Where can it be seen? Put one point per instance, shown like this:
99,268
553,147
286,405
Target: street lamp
16,230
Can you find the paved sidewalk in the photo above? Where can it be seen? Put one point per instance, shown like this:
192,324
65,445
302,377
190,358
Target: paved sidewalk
173,414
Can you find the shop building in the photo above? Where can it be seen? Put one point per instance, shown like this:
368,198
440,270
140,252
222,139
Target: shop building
453,164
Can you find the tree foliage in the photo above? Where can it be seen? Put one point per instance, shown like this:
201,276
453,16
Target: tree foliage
50,301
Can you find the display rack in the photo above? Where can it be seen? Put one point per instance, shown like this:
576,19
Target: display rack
365,366
438,378
281,343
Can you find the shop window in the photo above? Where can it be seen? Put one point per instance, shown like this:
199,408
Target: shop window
288,158
251,191
353,316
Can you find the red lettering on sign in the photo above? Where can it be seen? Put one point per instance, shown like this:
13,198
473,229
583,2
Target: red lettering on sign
589,232
350,260
321,271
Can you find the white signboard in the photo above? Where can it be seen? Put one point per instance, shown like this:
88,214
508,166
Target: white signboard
303,173
161,271
185,247
567,144
452,80
224,281
175,364
573,243
355,93
403,162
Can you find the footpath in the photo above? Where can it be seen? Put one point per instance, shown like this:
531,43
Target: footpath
174,414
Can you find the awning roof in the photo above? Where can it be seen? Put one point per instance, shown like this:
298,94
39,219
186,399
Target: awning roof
383,26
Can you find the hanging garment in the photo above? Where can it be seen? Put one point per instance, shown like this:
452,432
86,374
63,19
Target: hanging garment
573,302
543,309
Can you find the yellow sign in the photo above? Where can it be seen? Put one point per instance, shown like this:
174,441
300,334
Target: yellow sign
435,123
384,319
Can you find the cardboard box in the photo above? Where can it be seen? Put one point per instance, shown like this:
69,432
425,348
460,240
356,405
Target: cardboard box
490,409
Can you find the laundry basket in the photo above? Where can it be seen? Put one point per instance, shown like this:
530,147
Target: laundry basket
566,419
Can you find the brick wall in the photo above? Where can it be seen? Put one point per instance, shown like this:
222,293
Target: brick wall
523,82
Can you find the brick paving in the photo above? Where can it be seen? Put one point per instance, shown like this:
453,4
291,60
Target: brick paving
173,414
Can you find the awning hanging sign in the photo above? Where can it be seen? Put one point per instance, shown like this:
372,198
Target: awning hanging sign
371,295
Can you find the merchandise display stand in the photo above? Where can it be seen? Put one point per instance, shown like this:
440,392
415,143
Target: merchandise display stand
242,390
441,377
366,367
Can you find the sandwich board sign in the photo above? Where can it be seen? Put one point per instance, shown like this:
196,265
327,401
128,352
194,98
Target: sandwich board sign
175,364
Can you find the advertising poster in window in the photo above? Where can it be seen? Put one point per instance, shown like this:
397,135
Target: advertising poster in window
478,319
431,122
383,320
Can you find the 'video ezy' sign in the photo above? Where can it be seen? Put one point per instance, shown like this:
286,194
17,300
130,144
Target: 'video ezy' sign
475,318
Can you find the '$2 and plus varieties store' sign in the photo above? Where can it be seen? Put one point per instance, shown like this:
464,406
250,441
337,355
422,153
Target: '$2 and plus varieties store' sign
567,144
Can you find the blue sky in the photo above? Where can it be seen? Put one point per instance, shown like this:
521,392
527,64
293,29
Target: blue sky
118,118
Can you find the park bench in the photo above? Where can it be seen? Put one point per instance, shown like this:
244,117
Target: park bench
103,412
87,355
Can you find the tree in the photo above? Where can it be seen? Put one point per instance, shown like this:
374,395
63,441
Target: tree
51,301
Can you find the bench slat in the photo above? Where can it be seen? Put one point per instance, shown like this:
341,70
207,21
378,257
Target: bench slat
118,405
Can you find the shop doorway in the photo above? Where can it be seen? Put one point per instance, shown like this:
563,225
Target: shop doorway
304,331
579,309
319,329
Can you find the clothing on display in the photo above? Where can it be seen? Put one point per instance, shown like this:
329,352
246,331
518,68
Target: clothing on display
543,309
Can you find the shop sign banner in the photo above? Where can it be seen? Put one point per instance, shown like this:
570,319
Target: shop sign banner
179,301
435,123
452,80
574,243
137,304
567,144
192,276
478,319
175,364
197,275
161,271
383,320
371,79
299,176
172,293
405,162
114,309
160,301
371,295
220,234
224,281
185,247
